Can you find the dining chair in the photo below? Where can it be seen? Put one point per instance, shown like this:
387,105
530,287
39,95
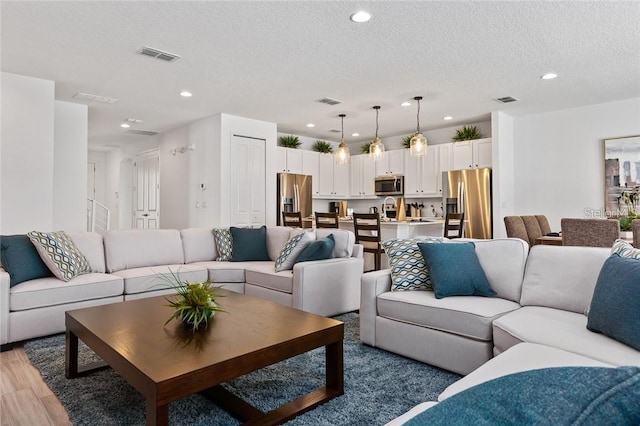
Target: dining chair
635,227
292,219
532,226
326,220
515,228
544,224
366,226
589,232
454,222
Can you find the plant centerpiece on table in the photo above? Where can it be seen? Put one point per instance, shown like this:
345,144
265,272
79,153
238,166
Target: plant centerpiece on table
466,133
364,148
630,199
322,146
289,141
196,302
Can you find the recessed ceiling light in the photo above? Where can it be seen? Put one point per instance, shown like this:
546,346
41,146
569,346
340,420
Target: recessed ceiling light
405,104
125,125
186,94
448,117
355,134
360,17
311,125
549,76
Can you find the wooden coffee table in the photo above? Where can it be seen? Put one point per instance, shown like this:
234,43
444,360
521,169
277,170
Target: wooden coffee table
165,363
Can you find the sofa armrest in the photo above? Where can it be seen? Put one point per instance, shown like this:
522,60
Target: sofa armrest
327,287
358,251
373,284
4,307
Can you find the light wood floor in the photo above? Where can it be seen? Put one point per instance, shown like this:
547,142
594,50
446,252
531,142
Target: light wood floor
25,399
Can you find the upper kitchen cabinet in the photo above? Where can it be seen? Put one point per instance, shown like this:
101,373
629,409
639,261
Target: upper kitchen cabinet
471,154
392,163
333,178
289,160
311,166
362,176
423,175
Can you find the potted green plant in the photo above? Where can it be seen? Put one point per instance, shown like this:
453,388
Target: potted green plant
195,304
322,146
289,141
466,133
630,199
364,148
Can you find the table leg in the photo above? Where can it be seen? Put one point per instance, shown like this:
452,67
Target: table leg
71,356
157,415
335,367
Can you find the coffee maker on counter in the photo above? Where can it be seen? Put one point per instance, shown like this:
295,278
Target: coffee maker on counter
339,207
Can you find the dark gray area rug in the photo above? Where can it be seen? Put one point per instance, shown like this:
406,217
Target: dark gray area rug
379,386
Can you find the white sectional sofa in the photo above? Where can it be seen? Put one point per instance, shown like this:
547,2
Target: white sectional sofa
537,319
125,265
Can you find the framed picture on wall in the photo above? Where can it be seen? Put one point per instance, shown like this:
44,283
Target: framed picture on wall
622,175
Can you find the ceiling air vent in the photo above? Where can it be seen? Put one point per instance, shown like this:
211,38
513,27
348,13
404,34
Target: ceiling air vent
334,130
141,132
329,101
506,99
94,98
158,54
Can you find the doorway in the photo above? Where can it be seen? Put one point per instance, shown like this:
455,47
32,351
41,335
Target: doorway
248,183
146,191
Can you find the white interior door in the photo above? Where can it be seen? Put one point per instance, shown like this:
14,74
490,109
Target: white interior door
248,181
146,191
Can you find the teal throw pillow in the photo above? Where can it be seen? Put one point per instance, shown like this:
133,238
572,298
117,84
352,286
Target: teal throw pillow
455,270
615,306
548,396
21,260
320,249
249,244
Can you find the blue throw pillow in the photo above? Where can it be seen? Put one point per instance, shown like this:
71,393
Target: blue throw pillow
21,260
615,306
549,396
455,270
320,249
249,244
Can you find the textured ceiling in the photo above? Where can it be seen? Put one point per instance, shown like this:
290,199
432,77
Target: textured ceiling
272,60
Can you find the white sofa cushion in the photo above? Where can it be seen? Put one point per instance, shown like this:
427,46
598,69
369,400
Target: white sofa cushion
469,316
139,280
400,420
562,277
135,248
277,237
264,275
560,329
344,240
198,245
92,246
44,292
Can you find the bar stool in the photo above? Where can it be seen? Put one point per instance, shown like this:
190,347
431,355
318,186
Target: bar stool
455,226
292,219
326,220
366,226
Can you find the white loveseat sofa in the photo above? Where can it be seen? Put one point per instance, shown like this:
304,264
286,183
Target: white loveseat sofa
125,265
537,319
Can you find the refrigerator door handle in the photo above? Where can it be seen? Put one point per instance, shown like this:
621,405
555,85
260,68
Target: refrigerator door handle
296,198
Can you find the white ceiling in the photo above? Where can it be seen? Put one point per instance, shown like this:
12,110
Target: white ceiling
272,60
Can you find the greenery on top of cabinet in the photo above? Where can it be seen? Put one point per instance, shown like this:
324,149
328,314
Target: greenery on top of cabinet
290,141
322,146
406,141
364,148
466,133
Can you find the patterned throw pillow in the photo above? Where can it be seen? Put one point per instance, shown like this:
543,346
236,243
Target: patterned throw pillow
292,250
224,244
408,270
624,249
60,254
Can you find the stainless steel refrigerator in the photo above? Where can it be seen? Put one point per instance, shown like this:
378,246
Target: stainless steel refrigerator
294,194
469,191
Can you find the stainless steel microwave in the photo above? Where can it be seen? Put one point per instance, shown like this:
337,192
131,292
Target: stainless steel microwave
389,185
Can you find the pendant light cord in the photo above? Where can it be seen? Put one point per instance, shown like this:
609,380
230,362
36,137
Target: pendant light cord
418,117
377,111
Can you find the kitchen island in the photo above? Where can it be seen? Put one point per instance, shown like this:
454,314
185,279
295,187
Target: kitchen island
411,228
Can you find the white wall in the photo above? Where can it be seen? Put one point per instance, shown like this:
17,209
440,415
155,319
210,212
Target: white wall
70,167
502,176
99,158
175,187
27,146
559,157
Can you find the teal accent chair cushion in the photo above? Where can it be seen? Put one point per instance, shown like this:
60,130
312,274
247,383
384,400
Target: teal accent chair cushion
455,270
249,244
21,260
320,249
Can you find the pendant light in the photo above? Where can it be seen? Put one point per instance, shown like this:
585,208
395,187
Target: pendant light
342,153
376,149
418,144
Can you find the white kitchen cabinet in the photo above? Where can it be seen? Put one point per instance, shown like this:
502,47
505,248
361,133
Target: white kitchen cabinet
311,166
289,160
333,178
423,175
471,154
362,174
392,163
